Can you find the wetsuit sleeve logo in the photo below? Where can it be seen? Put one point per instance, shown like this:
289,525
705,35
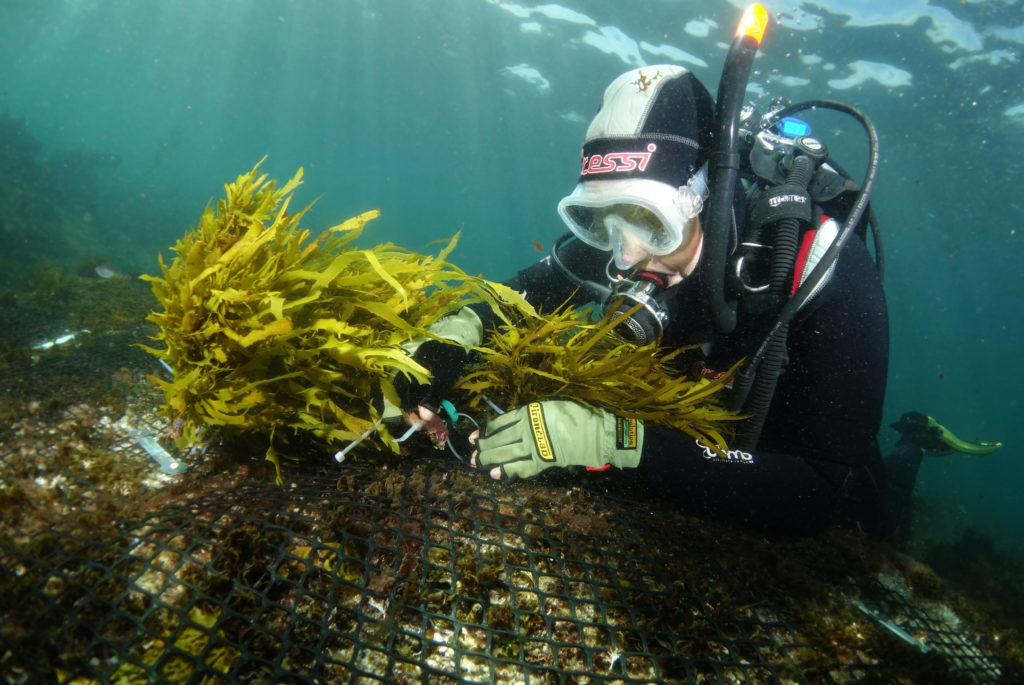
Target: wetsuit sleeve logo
730,457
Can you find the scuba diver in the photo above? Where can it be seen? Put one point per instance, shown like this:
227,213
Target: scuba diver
704,224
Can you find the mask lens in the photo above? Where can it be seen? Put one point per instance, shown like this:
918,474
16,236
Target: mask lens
644,226
598,225
628,248
588,224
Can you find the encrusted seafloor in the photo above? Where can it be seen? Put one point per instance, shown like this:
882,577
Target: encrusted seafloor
405,569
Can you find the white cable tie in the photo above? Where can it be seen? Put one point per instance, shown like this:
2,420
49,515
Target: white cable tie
168,464
454,451
449,442
339,456
412,429
893,628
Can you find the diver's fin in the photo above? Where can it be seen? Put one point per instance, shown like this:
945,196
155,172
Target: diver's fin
954,444
936,439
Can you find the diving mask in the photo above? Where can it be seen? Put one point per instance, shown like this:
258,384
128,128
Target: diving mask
634,218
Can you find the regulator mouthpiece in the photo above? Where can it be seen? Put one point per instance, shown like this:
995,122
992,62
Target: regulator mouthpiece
634,300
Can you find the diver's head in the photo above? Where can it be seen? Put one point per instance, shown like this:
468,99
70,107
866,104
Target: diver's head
643,179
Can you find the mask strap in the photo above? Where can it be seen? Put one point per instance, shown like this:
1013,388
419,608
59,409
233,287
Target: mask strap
612,278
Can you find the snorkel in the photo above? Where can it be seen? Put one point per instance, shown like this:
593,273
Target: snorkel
724,170
725,166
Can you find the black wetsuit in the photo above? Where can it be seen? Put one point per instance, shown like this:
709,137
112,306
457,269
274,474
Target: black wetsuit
817,462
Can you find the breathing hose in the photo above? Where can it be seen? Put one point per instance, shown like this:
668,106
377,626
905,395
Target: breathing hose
786,232
876,234
811,284
757,382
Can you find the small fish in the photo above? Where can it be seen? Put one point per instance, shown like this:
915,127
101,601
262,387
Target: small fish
537,246
104,271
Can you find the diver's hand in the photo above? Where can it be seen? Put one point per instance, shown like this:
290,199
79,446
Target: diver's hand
444,360
422,418
530,439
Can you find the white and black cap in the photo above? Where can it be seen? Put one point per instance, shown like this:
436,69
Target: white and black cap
663,106
647,147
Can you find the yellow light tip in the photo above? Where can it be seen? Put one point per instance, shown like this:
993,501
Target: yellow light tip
753,23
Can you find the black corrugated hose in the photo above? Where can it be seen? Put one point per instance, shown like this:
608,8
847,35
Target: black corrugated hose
756,386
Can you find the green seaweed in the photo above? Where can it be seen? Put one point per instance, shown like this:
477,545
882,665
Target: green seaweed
270,330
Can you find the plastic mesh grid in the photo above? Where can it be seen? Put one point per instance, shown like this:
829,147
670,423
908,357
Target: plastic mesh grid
414,572
932,626
424,576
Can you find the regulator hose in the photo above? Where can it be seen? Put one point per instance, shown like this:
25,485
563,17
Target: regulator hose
876,234
786,232
773,347
810,285
759,379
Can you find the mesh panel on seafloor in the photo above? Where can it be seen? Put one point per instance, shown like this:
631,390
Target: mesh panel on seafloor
418,572
422,576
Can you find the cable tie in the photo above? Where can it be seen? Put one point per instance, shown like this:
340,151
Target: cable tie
339,456
490,404
412,429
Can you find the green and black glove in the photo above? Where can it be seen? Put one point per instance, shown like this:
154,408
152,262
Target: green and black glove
540,435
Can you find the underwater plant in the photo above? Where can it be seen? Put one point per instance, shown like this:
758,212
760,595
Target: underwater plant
270,330
566,354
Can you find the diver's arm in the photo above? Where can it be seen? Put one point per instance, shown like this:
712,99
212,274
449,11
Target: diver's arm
545,286
770,491
817,462
548,287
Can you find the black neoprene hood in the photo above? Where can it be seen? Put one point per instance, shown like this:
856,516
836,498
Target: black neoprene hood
654,123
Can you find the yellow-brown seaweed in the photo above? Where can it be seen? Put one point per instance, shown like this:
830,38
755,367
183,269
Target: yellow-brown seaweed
565,355
270,330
